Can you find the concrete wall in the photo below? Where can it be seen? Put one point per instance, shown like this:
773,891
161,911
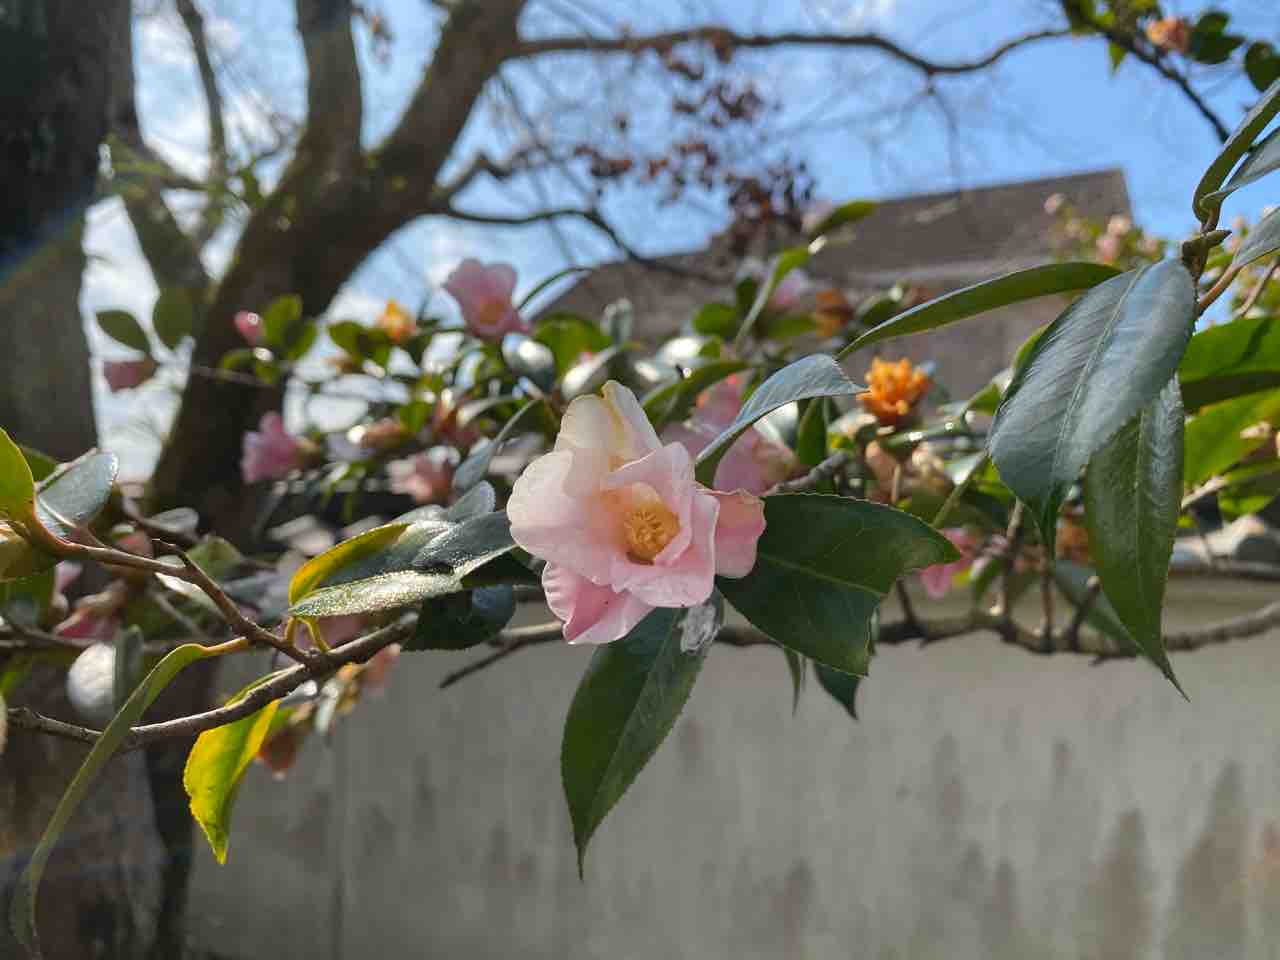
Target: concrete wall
989,804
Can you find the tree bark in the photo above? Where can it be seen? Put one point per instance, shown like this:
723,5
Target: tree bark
102,890
335,205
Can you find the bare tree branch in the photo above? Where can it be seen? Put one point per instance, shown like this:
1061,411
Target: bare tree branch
215,208
722,38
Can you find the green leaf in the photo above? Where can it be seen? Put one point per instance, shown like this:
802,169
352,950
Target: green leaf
1207,198
17,488
385,581
589,375
625,705
1116,55
459,621
280,319
813,376
473,469
76,493
361,554
216,767
122,327
1073,581
796,666
26,600
1262,64
1096,366
1230,360
717,319
1132,496
570,336
1213,440
850,212
1263,240
22,908
823,564
811,442
173,317
842,686
989,295
672,401
782,264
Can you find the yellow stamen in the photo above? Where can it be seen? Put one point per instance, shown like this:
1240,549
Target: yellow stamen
648,528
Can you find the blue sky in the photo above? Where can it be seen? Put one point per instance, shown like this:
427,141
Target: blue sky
1048,109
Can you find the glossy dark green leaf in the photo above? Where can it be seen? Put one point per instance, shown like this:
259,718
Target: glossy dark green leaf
672,401
72,496
1263,240
1015,287
1207,197
619,320
365,555
123,327
527,357
811,441
17,488
280,318
1215,438
589,375
718,319
1132,496
625,705
781,265
842,686
569,336
389,577
459,621
1230,360
813,376
1096,366
1262,64
1073,580
823,564
849,212
797,666
173,317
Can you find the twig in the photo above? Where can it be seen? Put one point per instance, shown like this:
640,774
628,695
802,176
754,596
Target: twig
823,472
1213,293
1256,292
1072,635
511,640
1046,603
1013,538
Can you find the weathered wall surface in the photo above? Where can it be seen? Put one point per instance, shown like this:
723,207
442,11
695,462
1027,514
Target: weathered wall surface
989,804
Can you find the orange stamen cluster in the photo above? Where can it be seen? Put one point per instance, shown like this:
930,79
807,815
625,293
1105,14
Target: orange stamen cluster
396,323
893,390
647,529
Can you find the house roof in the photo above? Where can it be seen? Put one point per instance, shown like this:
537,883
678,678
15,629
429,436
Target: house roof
939,240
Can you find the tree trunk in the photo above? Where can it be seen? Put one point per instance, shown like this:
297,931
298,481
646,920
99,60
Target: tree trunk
102,889
333,208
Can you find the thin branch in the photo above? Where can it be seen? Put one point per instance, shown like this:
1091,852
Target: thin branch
957,492
724,39
1207,298
1256,292
1013,538
819,475
1072,635
215,208
509,641
483,164
1158,63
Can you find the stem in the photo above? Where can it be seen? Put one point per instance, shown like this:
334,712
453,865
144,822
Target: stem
1214,292
957,492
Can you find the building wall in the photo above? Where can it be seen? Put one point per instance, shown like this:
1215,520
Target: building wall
989,804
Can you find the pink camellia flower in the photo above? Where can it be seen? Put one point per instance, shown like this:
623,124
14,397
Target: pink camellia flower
250,327
936,580
271,452
127,374
426,476
96,617
622,523
1053,203
483,292
754,463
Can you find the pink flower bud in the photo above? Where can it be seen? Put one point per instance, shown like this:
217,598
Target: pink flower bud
270,452
250,327
426,477
484,292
